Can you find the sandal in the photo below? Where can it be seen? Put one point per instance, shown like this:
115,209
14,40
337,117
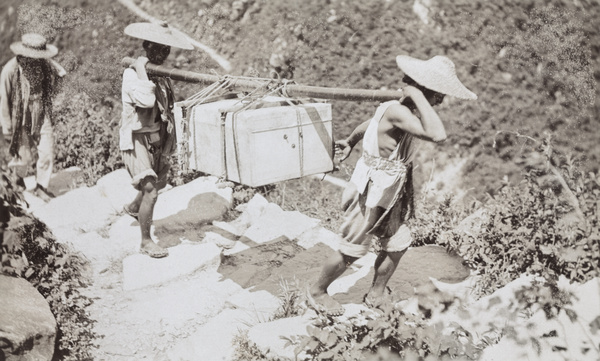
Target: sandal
153,250
43,193
130,213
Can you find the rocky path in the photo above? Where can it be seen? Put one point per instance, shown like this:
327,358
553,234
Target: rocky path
221,277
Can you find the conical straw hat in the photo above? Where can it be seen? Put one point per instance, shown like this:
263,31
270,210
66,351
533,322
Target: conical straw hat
34,46
159,33
437,73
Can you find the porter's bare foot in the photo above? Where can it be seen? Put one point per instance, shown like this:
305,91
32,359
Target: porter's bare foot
326,304
376,301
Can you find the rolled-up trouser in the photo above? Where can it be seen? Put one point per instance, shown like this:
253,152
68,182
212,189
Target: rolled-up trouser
145,160
356,219
43,141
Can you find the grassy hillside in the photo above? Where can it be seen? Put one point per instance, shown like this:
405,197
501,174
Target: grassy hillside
534,65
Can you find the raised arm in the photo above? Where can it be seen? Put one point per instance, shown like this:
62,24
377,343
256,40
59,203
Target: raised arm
429,127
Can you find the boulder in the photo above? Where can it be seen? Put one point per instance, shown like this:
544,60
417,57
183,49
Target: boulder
27,326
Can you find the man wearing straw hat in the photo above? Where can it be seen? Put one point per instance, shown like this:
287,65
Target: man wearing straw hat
147,133
27,85
379,199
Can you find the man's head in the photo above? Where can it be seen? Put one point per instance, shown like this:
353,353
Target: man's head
156,53
433,97
437,75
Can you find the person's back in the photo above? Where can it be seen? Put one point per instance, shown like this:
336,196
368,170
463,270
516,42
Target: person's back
378,200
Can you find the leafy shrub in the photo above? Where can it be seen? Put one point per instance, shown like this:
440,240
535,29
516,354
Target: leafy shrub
405,335
547,225
245,350
30,251
87,136
390,333
291,299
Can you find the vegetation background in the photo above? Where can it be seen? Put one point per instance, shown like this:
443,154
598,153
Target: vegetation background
534,64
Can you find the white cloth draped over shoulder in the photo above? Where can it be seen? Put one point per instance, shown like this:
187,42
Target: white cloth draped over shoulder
382,177
139,110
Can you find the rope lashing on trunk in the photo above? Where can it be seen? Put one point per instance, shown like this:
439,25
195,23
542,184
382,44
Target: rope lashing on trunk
220,90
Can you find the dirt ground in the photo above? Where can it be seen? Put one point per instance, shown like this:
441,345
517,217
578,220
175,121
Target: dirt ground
264,266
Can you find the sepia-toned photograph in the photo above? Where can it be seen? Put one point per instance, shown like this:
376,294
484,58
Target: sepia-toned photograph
292,180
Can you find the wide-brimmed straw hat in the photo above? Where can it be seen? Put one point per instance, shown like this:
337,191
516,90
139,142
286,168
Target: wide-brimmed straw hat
437,73
34,46
160,33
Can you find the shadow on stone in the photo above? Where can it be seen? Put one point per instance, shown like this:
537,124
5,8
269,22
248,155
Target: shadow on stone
253,266
190,223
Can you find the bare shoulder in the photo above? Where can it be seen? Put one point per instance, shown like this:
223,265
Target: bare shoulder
398,114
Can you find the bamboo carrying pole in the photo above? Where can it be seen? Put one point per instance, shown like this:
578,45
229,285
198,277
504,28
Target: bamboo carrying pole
291,90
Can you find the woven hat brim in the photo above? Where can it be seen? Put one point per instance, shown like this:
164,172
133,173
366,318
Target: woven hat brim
435,78
158,34
19,49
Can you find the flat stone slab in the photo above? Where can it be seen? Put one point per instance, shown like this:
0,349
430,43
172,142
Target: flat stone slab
143,324
117,189
27,326
316,235
78,211
275,222
268,336
259,305
213,340
61,182
102,251
141,271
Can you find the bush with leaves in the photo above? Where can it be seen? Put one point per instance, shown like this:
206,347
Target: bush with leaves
442,327
547,225
29,251
406,335
87,136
